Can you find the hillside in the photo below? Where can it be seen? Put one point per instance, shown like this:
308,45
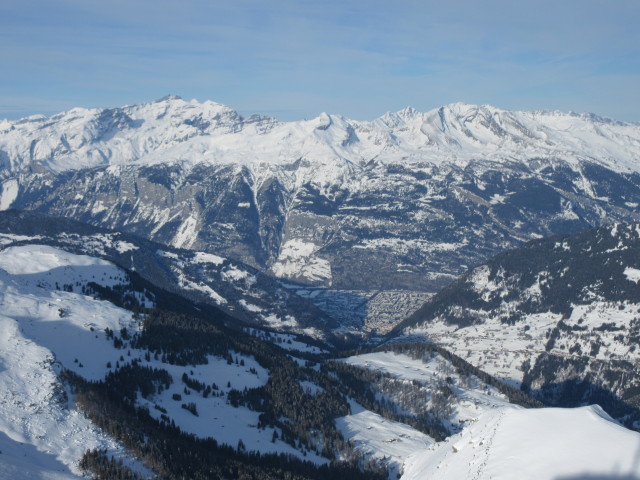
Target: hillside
153,379
162,374
240,290
558,317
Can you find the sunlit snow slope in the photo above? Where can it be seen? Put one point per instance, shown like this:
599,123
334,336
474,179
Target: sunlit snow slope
539,444
42,330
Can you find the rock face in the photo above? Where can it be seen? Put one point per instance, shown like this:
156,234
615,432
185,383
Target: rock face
407,201
559,317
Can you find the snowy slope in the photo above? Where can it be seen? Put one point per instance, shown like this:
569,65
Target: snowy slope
558,316
413,390
42,330
381,439
494,439
541,444
470,394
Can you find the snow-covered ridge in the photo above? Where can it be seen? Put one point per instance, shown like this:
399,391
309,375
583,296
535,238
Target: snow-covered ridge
175,130
548,443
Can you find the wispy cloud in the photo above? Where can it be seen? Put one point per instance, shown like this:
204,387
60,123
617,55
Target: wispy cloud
358,58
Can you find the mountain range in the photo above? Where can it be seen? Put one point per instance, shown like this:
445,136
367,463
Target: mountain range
405,202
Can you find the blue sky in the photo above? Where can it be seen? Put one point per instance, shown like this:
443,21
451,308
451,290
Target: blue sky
295,59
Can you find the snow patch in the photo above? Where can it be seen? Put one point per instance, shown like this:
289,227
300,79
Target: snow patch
124,247
202,257
186,234
380,438
7,238
632,274
297,259
234,274
33,259
9,193
250,307
497,199
201,287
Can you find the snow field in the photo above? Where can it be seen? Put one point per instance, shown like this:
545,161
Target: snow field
38,259
297,259
472,396
533,444
40,330
377,437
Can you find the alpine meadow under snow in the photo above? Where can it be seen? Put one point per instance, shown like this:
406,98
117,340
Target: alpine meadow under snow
188,293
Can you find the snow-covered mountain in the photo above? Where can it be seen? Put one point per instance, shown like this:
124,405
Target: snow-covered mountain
173,130
64,349
405,202
558,317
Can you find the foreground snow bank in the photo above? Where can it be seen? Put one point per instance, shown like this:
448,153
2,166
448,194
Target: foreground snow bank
548,443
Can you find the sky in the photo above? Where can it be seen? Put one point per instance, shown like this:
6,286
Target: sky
295,59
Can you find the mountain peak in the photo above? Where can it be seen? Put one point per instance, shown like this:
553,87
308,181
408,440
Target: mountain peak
168,98
408,112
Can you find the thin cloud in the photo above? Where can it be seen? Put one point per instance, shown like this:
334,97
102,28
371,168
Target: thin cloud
349,55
